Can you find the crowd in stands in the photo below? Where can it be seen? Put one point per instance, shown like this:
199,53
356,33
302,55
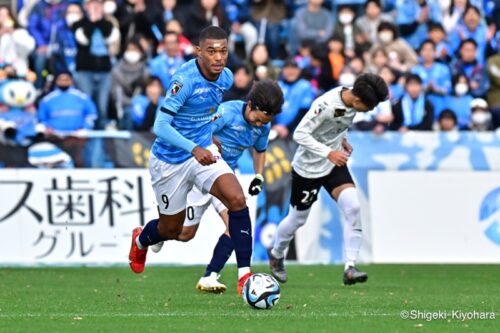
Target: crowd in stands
105,64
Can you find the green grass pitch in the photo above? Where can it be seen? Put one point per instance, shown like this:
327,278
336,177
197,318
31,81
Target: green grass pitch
163,299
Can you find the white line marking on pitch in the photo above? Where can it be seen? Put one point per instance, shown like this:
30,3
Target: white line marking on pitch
186,314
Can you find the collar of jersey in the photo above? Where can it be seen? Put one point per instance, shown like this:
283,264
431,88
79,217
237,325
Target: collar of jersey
201,73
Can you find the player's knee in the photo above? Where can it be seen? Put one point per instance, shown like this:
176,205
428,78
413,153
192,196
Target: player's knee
169,231
186,235
237,202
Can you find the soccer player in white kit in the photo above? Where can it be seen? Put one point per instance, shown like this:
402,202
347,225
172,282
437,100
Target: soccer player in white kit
321,160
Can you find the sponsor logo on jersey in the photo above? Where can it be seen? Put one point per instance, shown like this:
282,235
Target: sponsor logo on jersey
339,113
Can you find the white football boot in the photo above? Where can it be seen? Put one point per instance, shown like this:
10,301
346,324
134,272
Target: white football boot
211,284
156,247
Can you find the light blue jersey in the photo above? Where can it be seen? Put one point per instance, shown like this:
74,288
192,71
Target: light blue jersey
236,134
190,105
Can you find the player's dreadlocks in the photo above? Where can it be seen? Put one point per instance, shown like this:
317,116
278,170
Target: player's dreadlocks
266,96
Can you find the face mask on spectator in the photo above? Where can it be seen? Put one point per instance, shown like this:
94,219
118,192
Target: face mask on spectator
347,79
72,18
385,37
445,4
109,7
63,88
461,89
481,118
132,57
8,24
345,18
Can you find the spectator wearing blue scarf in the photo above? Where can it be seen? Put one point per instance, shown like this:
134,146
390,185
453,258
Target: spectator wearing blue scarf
167,62
472,27
413,111
436,77
412,19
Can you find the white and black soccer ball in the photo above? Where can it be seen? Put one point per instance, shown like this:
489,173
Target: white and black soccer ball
261,291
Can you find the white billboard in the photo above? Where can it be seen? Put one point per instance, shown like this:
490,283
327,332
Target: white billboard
435,217
86,216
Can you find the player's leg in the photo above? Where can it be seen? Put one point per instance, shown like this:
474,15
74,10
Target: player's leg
304,194
219,180
222,251
228,190
342,188
171,184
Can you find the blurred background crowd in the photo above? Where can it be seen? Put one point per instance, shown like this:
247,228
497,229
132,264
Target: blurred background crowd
73,65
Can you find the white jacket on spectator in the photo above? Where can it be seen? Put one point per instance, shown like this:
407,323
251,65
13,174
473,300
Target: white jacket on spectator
15,47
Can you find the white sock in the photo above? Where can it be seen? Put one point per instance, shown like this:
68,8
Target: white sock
286,230
138,243
242,271
348,203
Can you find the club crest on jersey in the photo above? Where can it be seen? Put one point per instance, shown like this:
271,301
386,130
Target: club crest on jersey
217,116
176,87
339,112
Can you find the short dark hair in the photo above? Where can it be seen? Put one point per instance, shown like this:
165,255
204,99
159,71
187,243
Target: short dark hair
212,32
467,41
447,113
376,2
371,89
384,25
413,78
266,95
427,41
435,26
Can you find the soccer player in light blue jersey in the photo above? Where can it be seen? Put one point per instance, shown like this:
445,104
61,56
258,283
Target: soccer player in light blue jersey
237,125
180,159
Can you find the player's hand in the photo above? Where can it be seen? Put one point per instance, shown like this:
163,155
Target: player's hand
339,158
347,146
256,185
203,156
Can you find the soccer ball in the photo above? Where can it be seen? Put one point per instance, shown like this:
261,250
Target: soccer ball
261,291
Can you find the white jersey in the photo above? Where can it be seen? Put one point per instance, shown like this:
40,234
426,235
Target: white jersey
321,130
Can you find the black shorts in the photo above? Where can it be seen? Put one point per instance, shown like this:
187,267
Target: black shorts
305,190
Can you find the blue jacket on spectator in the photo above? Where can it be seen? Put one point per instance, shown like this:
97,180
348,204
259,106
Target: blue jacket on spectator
299,96
439,74
479,36
68,110
164,67
44,20
139,105
408,12
64,49
237,10
474,72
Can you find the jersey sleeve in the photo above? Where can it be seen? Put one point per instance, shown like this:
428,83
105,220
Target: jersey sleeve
303,134
179,90
261,143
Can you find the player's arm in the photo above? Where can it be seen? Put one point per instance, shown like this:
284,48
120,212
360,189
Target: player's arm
176,97
303,135
259,160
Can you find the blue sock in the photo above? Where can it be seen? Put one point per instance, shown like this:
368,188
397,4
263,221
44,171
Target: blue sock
240,229
149,235
222,252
